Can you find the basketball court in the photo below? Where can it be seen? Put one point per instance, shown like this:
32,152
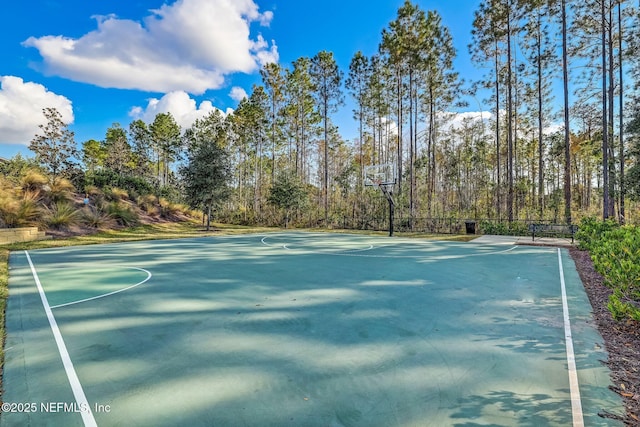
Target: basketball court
301,329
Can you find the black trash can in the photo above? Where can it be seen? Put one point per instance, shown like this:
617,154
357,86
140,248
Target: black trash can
470,227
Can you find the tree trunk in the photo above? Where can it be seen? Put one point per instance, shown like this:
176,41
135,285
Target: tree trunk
509,124
498,189
605,126
621,125
567,141
540,124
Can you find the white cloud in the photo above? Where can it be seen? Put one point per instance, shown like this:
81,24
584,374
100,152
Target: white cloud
189,45
182,107
456,120
238,94
21,105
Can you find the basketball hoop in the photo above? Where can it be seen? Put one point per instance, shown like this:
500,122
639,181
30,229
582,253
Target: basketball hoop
384,177
378,175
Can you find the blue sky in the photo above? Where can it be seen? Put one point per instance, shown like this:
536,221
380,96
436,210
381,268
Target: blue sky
116,61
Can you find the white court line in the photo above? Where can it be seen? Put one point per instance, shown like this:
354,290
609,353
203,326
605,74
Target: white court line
576,405
76,387
109,293
353,252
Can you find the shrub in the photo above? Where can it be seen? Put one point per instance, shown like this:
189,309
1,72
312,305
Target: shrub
96,196
149,204
106,178
8,209
96,218
20,212
33,181
514,228
591,230
62,215
171,210
60,190
115,193
122,213
621,309
615,252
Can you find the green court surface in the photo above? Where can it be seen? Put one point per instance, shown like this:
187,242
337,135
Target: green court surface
301,329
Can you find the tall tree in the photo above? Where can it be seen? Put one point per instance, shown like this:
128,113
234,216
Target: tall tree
565,94
55,148
441,88
141,146
327,79
92,155
273,77
488,36
118,155
288,193
540,51
360,73
165,134
207,172
301,112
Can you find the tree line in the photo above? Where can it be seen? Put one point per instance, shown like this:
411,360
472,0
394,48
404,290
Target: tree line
558,139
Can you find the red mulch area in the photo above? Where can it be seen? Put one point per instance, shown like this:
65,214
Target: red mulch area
622,341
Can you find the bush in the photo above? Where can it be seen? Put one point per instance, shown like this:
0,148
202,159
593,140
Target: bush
514,228
620,309
96,218
20,211
591,230
62,215
33,181
615,252
115,193
122,214
108,178
170,210
60,190
149,204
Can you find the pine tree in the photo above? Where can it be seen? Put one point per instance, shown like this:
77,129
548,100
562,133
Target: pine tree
165,134
360,74
273,78
55,149
327,79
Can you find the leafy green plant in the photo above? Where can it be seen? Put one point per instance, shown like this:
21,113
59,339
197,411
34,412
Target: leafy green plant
288,194
60,190
503,228
170,210
62,215
33,181
149,204
20,211
620,309
122,213
591,230
115,193
95,218
615,251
